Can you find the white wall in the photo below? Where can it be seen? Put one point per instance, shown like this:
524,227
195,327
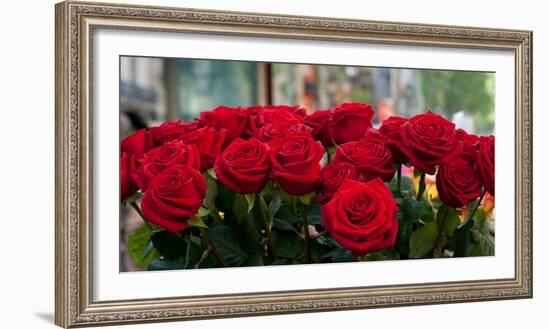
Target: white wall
27,162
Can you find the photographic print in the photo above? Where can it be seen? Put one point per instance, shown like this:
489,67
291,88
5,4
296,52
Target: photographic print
240,163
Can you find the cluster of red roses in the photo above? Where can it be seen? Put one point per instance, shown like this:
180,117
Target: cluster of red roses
248,146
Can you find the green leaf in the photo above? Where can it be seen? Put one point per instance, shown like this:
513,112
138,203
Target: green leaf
225,198
167,264
169,245
286,214
487,244
212,173
194,252
138,243
340,255
464,242
283,226
196,222
447,219
211,193
240,207
411,209
287,244
254,260
274,206
427,211
423,240
228,243
314,215
376,256
203,212
149,248
306,198
285,261
250,201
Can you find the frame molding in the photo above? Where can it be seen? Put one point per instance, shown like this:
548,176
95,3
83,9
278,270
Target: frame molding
75,24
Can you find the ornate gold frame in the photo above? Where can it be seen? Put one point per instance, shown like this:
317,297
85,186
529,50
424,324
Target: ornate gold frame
76,22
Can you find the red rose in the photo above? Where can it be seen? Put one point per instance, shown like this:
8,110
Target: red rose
173,197
469,144
370,157
244,166
263,115
127,170
295,163
234,119
319,122
274,130
171,130
485,162
350,121
362,216
162,158
209,141
138,143
391,128
457,183
331,177
429,140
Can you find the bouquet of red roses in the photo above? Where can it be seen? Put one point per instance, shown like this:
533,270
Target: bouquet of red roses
269,185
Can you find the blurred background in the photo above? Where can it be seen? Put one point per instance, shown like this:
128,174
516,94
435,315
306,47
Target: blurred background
154,90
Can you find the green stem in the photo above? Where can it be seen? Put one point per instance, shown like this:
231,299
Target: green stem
399,179
267,225
293,202
138,210
475,208
421,186
328,155
307,241
212,248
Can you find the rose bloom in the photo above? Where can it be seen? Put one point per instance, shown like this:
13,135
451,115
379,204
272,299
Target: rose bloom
209,142
361,217
163,157
169,131
391,128
485,162
331,177
234,119
138,143
470,144
260,116
244,166
277,129
457,183
295,163
173,197
350,121
372,158
318,121
128,164
429,140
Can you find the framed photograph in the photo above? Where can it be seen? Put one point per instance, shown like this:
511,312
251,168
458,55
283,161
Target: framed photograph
217,164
